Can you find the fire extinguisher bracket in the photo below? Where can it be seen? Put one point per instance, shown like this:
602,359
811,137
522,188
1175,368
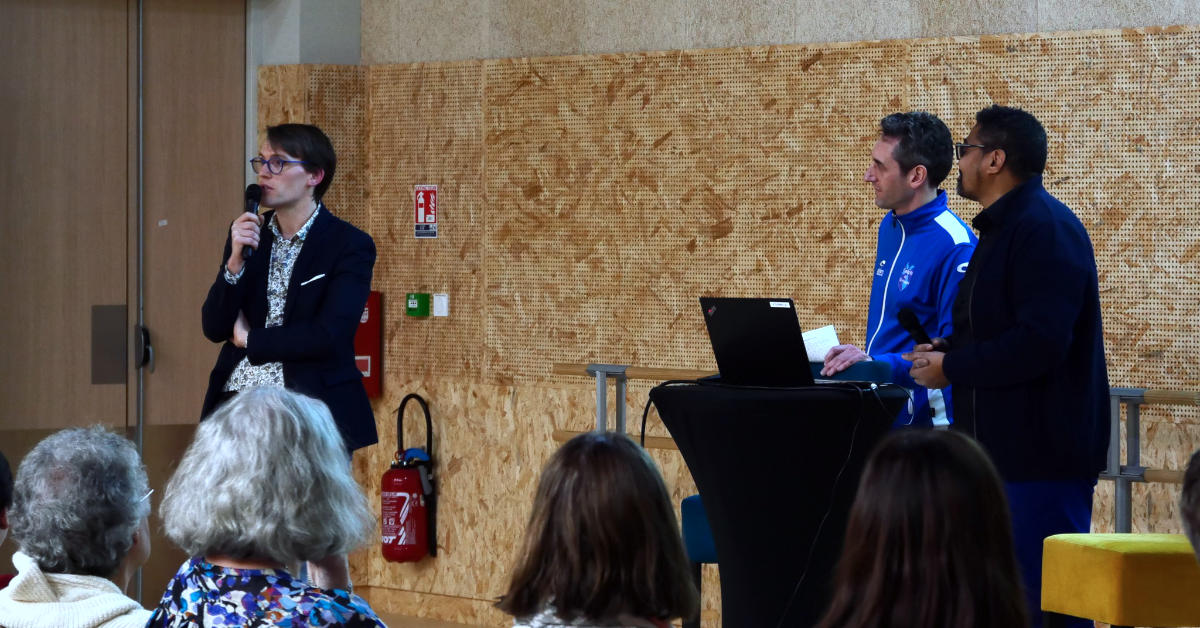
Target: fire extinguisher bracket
409,495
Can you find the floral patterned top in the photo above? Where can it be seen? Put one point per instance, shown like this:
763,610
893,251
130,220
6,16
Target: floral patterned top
203,595
283,259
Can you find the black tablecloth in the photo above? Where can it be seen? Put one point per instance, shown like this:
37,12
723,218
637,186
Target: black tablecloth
777,470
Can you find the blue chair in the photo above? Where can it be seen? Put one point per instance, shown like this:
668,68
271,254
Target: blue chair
697,541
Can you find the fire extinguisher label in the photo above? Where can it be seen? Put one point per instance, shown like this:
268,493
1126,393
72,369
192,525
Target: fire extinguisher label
395,509
399,526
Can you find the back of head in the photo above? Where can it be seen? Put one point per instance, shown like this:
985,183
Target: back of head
310,145
924,140
929,541
603,540
77,501
266,477
1189,502
1019,134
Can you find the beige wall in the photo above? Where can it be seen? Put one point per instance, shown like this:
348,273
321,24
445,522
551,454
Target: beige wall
405,31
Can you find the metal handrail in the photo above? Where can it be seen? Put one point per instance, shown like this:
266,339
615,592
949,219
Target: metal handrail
620,373
1124,475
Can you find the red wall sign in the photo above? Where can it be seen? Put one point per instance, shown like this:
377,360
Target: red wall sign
425,210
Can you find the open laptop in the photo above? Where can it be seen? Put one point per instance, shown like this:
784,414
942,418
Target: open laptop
757,342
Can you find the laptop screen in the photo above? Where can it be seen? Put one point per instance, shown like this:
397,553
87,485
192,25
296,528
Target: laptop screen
757,341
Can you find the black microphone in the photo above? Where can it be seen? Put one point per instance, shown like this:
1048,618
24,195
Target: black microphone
253,196
909,322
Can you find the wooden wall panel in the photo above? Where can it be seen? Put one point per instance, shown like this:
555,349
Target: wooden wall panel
282,95
620,188
337,102
490,443
1121,110
65,137
425,128
589,200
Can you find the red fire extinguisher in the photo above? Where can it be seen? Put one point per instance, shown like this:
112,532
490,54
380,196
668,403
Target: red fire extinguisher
410,496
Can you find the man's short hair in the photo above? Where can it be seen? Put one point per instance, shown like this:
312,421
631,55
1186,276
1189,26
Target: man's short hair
308,144
1189,502
924,141
1019,134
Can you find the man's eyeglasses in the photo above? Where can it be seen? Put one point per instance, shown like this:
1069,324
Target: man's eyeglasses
960,148
274,165
147,496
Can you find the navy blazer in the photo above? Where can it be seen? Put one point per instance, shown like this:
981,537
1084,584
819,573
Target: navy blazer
325,300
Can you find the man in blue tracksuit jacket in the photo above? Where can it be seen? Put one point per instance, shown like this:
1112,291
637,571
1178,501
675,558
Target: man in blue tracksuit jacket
1027,355
920,256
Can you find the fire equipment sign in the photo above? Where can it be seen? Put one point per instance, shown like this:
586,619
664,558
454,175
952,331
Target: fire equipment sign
426,210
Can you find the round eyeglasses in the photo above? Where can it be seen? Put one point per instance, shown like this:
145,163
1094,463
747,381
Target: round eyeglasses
274,165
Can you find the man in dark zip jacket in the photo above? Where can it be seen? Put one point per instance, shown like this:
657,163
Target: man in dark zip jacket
1027,354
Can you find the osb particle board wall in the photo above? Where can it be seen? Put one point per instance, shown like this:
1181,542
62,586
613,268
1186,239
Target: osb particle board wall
586,201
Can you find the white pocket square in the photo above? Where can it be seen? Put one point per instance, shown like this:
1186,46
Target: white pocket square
314,278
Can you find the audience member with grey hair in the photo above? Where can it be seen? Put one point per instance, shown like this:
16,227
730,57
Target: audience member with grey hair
1189,502
79,510
264,486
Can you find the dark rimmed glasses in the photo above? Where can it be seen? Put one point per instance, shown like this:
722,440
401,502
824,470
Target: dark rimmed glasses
959,149
274,165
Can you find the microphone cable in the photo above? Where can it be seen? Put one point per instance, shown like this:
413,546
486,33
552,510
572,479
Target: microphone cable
874,390
649,402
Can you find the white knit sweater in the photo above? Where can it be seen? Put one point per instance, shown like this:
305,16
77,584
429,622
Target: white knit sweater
52,600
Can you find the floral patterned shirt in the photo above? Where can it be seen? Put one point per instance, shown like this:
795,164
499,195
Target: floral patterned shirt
203,595
283,259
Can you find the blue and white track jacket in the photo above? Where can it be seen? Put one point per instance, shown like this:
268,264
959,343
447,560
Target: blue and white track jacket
919,259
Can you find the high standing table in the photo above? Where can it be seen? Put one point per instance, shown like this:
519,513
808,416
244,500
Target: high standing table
777,470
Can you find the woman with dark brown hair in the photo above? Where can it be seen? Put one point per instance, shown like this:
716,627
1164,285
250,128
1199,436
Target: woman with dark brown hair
929,542
603,546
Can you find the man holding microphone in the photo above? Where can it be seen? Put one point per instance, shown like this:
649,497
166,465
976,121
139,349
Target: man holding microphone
1026,357
287,312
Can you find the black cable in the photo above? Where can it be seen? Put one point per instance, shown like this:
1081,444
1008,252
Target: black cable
649,401
874,389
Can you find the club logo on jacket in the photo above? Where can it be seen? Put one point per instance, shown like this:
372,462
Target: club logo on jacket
906,276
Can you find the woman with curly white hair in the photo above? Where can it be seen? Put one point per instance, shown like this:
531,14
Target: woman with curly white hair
80,504
264,486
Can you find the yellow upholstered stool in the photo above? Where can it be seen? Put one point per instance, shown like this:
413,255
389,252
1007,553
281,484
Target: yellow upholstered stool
1122,579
